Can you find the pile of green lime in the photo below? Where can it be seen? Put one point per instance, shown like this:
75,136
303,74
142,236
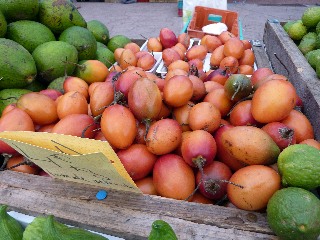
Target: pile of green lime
294,211
305,32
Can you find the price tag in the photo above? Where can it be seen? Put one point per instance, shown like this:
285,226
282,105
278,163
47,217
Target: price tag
72,158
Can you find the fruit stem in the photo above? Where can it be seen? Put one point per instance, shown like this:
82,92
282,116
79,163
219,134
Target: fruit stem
118,97
232,183
199,162
195,190
287,133
147,123
86,128
194,70
211,185
241,100
228,68
81,66
96,121
236,91
225,73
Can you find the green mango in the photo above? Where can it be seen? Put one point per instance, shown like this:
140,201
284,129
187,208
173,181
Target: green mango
3,25
10,228
15,10
47,228
30,34
19,68
58,15
9,96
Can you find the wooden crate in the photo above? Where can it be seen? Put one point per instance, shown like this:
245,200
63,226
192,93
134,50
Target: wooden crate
287,59
129,215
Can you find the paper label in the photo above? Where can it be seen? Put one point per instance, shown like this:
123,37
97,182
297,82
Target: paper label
72,158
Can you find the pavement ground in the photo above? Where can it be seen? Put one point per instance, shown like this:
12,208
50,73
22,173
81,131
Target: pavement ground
145,19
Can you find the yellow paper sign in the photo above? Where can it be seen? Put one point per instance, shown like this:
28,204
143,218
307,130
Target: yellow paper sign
72,158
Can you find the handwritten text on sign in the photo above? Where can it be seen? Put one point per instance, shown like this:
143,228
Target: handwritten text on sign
90,168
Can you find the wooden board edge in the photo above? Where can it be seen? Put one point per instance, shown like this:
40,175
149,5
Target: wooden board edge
115,221
143,205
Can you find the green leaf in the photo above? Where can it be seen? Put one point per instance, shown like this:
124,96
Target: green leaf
10,228
161,230
47,228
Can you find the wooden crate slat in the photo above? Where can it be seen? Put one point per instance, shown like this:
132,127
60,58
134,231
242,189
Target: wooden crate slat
128,215
261,57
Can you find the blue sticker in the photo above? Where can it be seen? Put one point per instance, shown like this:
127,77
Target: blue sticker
102,194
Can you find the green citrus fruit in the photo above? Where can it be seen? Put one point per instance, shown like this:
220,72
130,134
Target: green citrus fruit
294,213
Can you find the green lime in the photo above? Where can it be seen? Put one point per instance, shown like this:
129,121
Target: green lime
313,57
299,166
308,43
118,41
318,28
297,30
287,25
311,16
294,213
318,69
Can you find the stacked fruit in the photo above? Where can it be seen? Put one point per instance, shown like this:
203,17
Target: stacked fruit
199,136
44,41
231,133
305,32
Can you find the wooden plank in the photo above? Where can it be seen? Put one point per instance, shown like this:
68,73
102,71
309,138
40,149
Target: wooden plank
126,215
287,59
261,57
